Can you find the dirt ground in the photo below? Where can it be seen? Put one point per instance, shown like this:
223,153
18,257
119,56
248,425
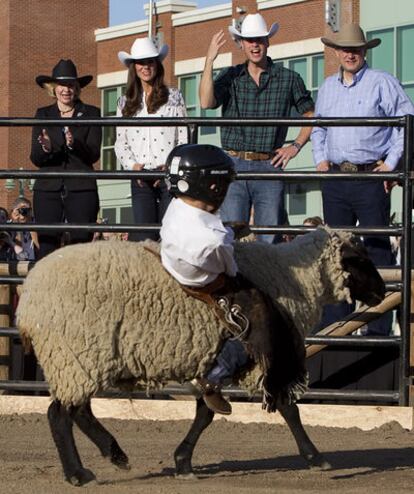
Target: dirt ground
230,458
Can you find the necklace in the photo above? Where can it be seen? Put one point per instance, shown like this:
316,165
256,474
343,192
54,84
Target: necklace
66,111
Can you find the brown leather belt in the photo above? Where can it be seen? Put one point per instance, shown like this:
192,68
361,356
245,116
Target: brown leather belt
250,155
348,167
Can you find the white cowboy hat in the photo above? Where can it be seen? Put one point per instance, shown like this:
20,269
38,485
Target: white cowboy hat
351,36
143,48
253,26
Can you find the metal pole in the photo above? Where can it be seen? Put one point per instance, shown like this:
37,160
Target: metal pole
406,261
150,11
193,134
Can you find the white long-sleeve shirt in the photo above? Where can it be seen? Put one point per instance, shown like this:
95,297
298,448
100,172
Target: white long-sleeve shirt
195,245
150,146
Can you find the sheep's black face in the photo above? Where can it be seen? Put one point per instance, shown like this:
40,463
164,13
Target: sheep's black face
364,282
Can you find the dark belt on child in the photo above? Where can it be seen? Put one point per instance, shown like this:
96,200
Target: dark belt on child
348,167
250,155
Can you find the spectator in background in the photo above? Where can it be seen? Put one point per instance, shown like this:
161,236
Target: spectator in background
4,236
18,245
256,88
147,148
358,91
314,221
4,215
108,235
64,148
25,243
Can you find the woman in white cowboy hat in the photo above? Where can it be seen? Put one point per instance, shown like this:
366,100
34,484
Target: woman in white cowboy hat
147,148
58,148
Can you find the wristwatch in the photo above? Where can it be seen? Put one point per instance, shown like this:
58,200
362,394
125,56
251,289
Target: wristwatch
296,145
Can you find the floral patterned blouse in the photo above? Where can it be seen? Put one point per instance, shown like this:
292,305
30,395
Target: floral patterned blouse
150,145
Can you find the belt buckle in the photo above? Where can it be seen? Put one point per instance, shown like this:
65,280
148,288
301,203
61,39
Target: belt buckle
348,167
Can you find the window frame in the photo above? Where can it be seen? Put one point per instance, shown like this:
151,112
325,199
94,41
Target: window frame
120,90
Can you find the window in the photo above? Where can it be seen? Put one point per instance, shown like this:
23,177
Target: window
110,98
189,87
296,199
312,70
109,214
393,54
127,216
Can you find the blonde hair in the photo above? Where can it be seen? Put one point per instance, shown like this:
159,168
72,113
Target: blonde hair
50,89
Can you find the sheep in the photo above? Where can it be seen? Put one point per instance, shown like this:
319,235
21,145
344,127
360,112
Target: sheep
106,315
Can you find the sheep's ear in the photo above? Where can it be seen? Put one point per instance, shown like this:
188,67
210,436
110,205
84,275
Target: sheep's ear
354,248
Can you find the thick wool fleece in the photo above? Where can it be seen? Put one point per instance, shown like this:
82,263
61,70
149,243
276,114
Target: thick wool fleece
106,314
300,276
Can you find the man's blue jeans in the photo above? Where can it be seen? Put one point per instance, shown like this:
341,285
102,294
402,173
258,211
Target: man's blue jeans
265,196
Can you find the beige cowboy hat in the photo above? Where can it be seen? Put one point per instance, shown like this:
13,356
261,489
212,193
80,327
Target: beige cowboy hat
351,36
253,26
141,49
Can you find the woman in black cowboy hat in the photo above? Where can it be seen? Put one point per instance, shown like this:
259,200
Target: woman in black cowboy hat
63,148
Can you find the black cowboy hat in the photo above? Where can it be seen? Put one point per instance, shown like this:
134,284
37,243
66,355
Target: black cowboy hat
64,72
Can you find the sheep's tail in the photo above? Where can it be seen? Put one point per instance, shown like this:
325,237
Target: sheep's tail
288,395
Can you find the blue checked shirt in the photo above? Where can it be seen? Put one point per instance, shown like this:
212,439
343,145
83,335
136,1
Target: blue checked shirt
279,91
373,93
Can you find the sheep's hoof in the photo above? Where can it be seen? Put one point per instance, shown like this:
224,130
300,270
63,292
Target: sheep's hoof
118,457
81,477
183,467
121,461
186,476
318,462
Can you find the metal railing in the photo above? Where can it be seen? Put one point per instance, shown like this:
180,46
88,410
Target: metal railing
404,176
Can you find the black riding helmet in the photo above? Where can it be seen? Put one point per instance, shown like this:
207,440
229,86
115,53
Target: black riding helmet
200,171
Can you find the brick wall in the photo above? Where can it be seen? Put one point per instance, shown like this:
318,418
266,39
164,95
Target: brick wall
37,36
4,89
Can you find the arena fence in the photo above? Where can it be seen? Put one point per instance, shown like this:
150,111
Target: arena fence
398,281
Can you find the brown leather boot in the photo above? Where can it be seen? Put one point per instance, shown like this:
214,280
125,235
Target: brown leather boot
212,396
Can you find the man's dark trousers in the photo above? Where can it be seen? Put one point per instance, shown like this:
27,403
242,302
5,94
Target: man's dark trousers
345,202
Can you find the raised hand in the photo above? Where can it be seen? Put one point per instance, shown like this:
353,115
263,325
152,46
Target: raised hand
217,41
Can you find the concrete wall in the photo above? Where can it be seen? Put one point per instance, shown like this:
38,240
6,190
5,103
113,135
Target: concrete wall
378,14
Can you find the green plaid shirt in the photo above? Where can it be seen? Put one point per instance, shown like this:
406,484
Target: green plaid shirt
279,91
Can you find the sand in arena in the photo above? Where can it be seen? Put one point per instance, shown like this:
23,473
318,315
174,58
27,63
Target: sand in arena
230,458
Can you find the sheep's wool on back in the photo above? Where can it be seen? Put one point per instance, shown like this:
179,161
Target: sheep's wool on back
106,314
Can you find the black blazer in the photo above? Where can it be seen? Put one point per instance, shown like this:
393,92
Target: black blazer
85,152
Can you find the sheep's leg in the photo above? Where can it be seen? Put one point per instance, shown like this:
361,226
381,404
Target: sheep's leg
183,454
96,432
61,426
306,447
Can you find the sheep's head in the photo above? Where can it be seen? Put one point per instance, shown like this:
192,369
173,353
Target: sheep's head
364,283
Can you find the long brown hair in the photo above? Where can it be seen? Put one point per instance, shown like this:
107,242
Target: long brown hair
157,98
